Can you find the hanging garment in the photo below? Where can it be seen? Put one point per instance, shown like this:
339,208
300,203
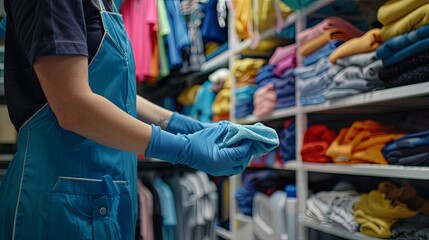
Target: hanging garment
61,185
141,22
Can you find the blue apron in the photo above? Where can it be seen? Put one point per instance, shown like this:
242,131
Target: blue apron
61,185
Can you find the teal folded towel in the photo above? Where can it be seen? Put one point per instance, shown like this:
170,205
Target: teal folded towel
264,139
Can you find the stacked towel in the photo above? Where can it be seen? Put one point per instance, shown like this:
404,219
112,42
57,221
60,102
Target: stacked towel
391,72
322,52
405,194
369,42
287,141
411,149
284,87
221,105
245,70
313,82
403,46
317,139
353,75
416,227
283,59
333,206
400,16
244,101
264,100
328,23
361,143
375,214
318,42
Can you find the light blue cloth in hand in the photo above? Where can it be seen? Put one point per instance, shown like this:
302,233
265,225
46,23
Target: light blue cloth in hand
264,139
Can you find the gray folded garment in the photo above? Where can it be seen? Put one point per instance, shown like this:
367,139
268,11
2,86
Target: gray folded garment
416,227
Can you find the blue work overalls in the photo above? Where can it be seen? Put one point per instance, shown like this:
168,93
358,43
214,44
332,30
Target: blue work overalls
61,185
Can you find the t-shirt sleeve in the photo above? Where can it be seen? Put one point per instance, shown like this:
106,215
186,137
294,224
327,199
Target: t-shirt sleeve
46,27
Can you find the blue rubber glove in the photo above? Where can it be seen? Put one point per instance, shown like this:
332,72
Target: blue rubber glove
200,150
179,123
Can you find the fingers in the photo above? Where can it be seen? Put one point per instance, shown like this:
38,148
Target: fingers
240,151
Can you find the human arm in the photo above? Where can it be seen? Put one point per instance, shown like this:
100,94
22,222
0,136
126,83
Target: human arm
64,80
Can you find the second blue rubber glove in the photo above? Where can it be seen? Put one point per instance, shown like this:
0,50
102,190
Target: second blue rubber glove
200,150
179,123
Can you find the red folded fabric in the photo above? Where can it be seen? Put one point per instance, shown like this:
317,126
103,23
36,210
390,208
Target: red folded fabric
317,139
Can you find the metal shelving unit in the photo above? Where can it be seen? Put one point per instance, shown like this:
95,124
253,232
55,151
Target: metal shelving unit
404,98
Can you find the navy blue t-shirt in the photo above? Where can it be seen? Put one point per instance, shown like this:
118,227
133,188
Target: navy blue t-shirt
40,28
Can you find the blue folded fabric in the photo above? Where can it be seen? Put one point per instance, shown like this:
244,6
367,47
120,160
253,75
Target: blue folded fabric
322,52
264,139
408,141
315,86
419,159
265,75
313,70
403,46
202,107
285,102
407,152
287,142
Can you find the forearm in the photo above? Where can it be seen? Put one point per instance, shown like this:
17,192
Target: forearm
151,113
101,121
64,80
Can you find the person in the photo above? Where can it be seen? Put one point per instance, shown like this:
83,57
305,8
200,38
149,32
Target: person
71,94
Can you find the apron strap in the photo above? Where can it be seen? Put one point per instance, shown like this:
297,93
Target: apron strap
103,8
101,4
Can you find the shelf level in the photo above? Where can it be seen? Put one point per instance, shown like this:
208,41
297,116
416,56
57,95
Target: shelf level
375,170
225,234
277,114
374,99
334,230
214,63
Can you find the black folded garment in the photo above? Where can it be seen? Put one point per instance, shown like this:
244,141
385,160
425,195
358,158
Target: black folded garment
416,75
414,61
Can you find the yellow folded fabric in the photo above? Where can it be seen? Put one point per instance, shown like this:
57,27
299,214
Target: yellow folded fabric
371,226
341,150
366,43
377,205
413,20
361,143
318,42
187,96
245,70
405,194
393,10
241,67
243,17
221,104
266,13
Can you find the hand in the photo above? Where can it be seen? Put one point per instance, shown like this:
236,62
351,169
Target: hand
179,123
200,150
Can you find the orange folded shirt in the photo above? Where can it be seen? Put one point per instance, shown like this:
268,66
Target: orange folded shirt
366,43
318,42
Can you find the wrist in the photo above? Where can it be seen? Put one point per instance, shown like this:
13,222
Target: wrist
179,123
167,146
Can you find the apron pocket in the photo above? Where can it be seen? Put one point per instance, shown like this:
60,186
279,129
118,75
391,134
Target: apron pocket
90,209
69,216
